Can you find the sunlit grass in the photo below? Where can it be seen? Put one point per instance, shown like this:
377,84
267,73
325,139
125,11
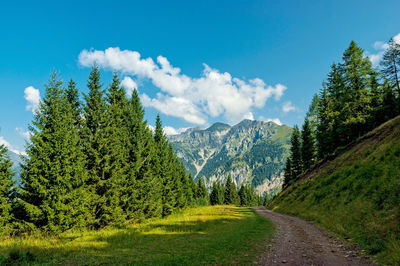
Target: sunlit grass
198,236
357,194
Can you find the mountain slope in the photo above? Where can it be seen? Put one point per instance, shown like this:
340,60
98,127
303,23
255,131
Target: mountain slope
251,152
355,194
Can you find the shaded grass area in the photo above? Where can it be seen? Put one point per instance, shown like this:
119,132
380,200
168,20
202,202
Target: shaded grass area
357,195
222,235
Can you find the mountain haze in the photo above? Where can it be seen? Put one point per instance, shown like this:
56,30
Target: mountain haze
251,152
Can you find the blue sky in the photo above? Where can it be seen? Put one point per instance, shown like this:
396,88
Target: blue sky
236,59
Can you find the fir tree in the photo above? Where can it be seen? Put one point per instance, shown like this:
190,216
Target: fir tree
231,196
96,136
391,65
164,170
53,193
217,194
295,152
307,146
288,175
201,190
7,191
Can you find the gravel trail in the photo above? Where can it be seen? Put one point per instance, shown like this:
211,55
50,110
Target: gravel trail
298,242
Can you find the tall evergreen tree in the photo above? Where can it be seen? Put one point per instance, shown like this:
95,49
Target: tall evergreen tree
7,191
288,175
307,145
295,152
53,194
231,194
96,135
164,169
217,194
357,70
324,135
73,99
391,65
201,190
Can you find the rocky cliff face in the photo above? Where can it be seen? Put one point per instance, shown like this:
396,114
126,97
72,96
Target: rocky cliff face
250,152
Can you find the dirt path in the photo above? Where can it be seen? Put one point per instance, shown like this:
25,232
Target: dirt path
298,242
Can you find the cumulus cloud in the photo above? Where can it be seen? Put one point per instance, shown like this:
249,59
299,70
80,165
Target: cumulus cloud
8,145
380,48
288,107
25,134
214,93
173,131
275,120
129,84
32,96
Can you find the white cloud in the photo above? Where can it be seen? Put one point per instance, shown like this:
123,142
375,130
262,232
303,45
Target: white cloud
288,107
8,145
172,131
214,93
32,96
275,120
380,48
25,134
129,84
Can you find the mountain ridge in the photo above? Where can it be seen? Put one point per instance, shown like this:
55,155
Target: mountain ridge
251,152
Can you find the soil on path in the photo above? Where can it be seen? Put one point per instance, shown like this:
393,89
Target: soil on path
298,242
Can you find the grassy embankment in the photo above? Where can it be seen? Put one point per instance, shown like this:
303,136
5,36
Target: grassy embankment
206,235
356,195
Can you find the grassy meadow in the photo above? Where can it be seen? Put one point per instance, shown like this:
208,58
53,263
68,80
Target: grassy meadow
356,195
221,235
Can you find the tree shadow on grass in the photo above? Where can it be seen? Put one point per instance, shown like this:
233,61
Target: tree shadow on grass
179,242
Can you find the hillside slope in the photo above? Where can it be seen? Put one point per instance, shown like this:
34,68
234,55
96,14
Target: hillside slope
251,152
356,195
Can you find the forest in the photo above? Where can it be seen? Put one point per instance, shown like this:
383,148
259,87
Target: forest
95,164
354,99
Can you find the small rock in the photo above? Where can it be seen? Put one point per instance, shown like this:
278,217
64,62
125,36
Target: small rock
284,261
304,255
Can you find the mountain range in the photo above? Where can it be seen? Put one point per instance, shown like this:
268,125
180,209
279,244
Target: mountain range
251,152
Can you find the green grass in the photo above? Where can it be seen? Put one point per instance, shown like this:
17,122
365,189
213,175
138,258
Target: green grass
221,235
357,195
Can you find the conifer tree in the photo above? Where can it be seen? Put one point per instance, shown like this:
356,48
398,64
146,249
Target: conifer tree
142,191
295,152
307,146
391,65
231,195
288,176
96,136
217,194
73,99
357,110
201,190
164,170
53,194
7,190
325,132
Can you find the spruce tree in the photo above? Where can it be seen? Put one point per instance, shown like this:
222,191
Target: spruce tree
295,152
96,137
217,194
164,169
325,132
391,65
201,190
7,191
142,195
357,110
231,196
288,175
53,193
307,146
